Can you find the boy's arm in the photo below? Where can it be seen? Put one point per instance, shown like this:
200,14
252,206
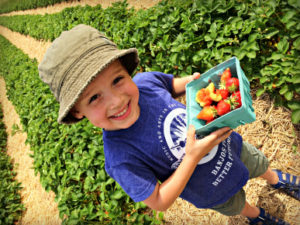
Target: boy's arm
179,84
166,193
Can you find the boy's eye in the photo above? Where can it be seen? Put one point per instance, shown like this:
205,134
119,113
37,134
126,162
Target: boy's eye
115,81
93,98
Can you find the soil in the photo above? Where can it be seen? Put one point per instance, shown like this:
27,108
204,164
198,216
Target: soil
272,132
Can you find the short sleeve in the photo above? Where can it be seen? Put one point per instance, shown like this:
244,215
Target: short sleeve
138,181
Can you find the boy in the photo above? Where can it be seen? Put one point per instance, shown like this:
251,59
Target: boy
146,149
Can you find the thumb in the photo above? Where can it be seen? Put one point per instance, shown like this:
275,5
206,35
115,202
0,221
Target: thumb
191,133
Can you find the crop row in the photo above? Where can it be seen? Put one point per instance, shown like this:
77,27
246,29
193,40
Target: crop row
10,199
69,159
182,37
15,5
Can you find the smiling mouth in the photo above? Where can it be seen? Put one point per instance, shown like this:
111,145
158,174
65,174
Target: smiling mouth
122,114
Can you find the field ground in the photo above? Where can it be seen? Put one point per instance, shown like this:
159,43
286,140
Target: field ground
272,132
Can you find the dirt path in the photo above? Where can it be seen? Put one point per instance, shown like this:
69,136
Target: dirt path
272,131
41,207
137,4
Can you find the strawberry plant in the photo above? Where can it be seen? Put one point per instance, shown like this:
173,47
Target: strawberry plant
10,199
69,159
14,5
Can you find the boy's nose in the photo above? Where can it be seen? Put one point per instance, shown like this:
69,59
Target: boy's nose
114,100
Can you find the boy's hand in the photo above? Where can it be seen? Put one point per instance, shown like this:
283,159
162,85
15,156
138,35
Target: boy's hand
197,149
195,76
180,83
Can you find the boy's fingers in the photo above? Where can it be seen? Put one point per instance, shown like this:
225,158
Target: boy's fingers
196,75
221,134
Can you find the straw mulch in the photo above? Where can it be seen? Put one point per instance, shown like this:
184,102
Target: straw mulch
272,132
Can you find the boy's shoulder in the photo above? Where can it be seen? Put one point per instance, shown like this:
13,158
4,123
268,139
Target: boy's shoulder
147,76
153,79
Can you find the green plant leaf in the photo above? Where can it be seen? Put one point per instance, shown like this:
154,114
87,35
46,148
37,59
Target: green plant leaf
296,116
294,105
283,46
288,15
117,194
296,43
296,78
260,91
276,56
284,89
251,55
270,32
289,95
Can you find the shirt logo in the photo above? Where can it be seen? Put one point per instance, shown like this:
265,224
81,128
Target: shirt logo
172,135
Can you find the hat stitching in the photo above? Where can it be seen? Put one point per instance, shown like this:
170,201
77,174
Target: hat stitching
61,82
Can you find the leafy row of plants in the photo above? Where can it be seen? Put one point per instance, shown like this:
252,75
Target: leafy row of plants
181,37
70,159
15,5
10,198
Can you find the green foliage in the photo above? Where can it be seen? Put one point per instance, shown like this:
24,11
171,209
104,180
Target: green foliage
178,37
181,37
70,159
10,199
15,5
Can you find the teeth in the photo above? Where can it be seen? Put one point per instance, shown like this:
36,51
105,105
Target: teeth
121,113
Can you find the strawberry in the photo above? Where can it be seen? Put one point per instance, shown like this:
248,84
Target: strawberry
208,113
232,84
236,100
223,107
212,94
223,92
202,97
226,75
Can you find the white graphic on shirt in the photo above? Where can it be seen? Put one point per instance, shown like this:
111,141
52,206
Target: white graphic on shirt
174,133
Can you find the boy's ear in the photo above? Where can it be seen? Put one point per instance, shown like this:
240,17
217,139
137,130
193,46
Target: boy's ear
76,113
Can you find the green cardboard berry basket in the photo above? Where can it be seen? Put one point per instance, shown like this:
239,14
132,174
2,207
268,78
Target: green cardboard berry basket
240,116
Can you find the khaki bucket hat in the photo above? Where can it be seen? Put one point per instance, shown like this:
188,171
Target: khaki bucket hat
74,59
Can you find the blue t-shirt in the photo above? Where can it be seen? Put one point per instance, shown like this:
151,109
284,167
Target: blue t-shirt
153,147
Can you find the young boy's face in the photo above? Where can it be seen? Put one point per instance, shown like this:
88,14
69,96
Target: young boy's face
110,101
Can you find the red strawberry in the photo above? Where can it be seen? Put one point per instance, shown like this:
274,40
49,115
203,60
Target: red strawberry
236,100
203,98
223,107
223,92
208,113
232,84
226,75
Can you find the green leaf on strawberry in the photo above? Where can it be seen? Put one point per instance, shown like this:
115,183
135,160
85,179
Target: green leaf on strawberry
232,84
